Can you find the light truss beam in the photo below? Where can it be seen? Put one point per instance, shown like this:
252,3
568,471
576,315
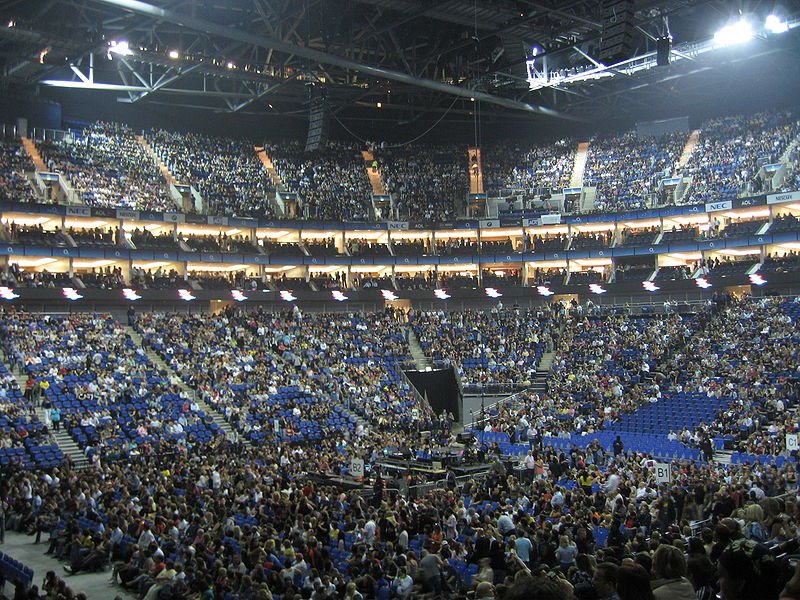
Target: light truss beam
271,42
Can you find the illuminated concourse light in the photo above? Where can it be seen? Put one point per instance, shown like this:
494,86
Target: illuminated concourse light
7,293
650,286
441,294
596,288
338,296
238,296
757,279
185,295
774,24
389,295
130,294
736,33
703,283
71,294
287,295
544,290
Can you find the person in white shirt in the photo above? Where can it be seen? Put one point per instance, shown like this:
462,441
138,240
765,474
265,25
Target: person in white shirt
403,583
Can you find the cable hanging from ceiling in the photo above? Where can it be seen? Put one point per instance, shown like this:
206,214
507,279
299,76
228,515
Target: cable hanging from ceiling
401,144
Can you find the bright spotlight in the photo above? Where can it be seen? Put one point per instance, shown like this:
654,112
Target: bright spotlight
773,24
736,33
122,48
174,54
338,296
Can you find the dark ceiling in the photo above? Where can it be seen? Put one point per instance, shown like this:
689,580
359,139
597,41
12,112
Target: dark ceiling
424,61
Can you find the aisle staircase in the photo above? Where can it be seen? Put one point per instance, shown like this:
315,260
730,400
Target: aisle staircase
261,152
159,363
688,149
374,175
475,171
421,361
168,176
33,152
579,167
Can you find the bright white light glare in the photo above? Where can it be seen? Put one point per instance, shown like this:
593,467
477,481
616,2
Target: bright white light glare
493,293
388,295
736,33
544,290
238,296
185,295
174,54
703,283
122,48
130,294
287,295
757,279
7,293
596,288
230,64
774,24
71,293
441,294
338,296
650,286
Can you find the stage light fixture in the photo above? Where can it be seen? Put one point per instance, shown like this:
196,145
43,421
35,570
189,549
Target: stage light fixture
735,33
493,292
287,295
338,296
757,279
774,24
186,295
238,295
174,54
441,294
389,295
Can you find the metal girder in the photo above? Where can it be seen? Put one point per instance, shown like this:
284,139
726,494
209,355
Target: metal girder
325,58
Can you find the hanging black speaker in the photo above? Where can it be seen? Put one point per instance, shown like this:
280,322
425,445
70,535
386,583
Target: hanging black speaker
663,49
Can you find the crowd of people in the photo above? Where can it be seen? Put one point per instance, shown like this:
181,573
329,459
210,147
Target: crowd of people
14,164
626,168
202,514
331,182
108,167
228,174
731,151
504,349
529,169
428,183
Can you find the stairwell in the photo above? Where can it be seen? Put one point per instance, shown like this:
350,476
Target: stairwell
579,167
373,174
261,152
33,152
421,361
159,363
168,176
688,149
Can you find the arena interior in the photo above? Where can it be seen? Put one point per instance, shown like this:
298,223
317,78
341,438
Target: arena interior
393,299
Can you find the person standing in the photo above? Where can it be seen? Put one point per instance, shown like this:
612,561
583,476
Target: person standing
618,446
